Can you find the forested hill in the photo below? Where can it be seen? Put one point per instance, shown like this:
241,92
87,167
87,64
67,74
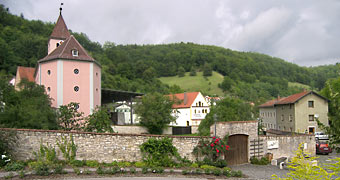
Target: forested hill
250,76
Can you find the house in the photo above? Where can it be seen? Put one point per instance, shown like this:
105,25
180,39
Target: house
191,110
122,114
23,73
295,113
68,72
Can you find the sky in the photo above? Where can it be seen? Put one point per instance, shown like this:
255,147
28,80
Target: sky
304,32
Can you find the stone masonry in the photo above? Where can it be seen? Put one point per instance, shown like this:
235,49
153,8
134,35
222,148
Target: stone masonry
103,147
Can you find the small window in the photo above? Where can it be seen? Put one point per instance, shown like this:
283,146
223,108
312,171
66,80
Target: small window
96,74
57,45
311,104
76,71
188,123
49,72
96,89
49,89
311,117
76,88
282,117
74,52
290,118
77,106
311,130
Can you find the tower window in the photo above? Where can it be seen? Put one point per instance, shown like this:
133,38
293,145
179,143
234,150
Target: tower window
77,106
48,89
48,72
58,44
74,52
76,71
76,88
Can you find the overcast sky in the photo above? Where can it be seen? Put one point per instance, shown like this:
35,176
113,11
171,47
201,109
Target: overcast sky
305,32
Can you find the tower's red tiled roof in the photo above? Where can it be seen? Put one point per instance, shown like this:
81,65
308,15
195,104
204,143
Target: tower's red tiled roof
26,73
190,97
60,30
290,99
64,51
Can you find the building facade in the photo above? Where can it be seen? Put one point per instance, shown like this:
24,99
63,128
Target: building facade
296,113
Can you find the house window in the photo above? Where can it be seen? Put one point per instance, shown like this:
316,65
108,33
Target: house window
76,88
74,52
48,72
49,89
188,123
311,130
311,104
290,118
311,117
282,117
195,111
76,71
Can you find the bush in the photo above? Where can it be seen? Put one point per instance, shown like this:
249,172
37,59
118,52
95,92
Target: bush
226,171
236,174
100,170
132,170
262,161
21,174
59,169
40,168
124,164
207,171
68,148
208,167
217,172
185,172
140,164
113,170
77,163
159,152
92,163
145,170
221,163
194,165
14,166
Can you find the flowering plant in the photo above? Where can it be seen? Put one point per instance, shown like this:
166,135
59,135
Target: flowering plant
213,148
4,159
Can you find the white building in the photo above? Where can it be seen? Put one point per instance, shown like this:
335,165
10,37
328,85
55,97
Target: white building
191,110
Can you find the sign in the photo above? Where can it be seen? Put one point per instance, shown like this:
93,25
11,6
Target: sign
273,144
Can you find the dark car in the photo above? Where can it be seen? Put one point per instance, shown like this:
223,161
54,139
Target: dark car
323,148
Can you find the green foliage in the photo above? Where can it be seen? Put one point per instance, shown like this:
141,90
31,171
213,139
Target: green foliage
29,108
217,172
227,84
207,70
185,172
262,161
155,112
226,171
21,174
77,163
133,171
181,71
140,164
193,71
100,170
68,148
14,166
159,152
92,163
99,121
331,92
6,139
145,170
69,117
236,173
302,167
40,168
227,109
46,160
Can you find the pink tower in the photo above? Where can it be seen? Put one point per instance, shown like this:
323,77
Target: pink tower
68,72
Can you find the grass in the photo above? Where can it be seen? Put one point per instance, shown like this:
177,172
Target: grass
299,85
208,86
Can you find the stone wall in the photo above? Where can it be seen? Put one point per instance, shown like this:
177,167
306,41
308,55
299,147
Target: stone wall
235,127
133,129
102,147
288,144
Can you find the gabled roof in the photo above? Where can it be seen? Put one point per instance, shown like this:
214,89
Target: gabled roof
64,51
290,99
26,73
60,30
186,99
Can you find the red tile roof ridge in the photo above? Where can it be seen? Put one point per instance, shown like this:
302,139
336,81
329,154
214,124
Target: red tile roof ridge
191,96
60,30
26,73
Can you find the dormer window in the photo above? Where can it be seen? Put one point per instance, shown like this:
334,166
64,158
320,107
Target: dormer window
74,52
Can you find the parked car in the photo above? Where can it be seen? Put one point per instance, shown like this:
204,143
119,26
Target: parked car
321,136
322,147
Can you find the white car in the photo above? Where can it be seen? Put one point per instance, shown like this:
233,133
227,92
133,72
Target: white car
320,135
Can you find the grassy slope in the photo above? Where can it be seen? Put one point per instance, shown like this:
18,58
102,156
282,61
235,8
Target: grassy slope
197,83
299,85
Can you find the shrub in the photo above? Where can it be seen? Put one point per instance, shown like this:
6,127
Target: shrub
172,171
59,169
208,167
236,174
159,152
262,161
14,166
40,168
77,163
140,164
76,170
221,163
87,171
145,170
185,172
226,171
113,170
198,171
124,164
92,163
194,165
21,174
217,172
100,170
132,170
207,171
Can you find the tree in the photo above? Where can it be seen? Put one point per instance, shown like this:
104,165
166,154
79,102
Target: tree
226,84
99,121
155,112
193,71
228,109
181,72
332,92
28,108
69,118
207,70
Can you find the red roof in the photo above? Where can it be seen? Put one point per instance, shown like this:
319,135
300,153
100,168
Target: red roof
64,51
26,73
290,99
185,102
60,30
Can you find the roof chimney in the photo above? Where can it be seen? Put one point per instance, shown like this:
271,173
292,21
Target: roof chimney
185,98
